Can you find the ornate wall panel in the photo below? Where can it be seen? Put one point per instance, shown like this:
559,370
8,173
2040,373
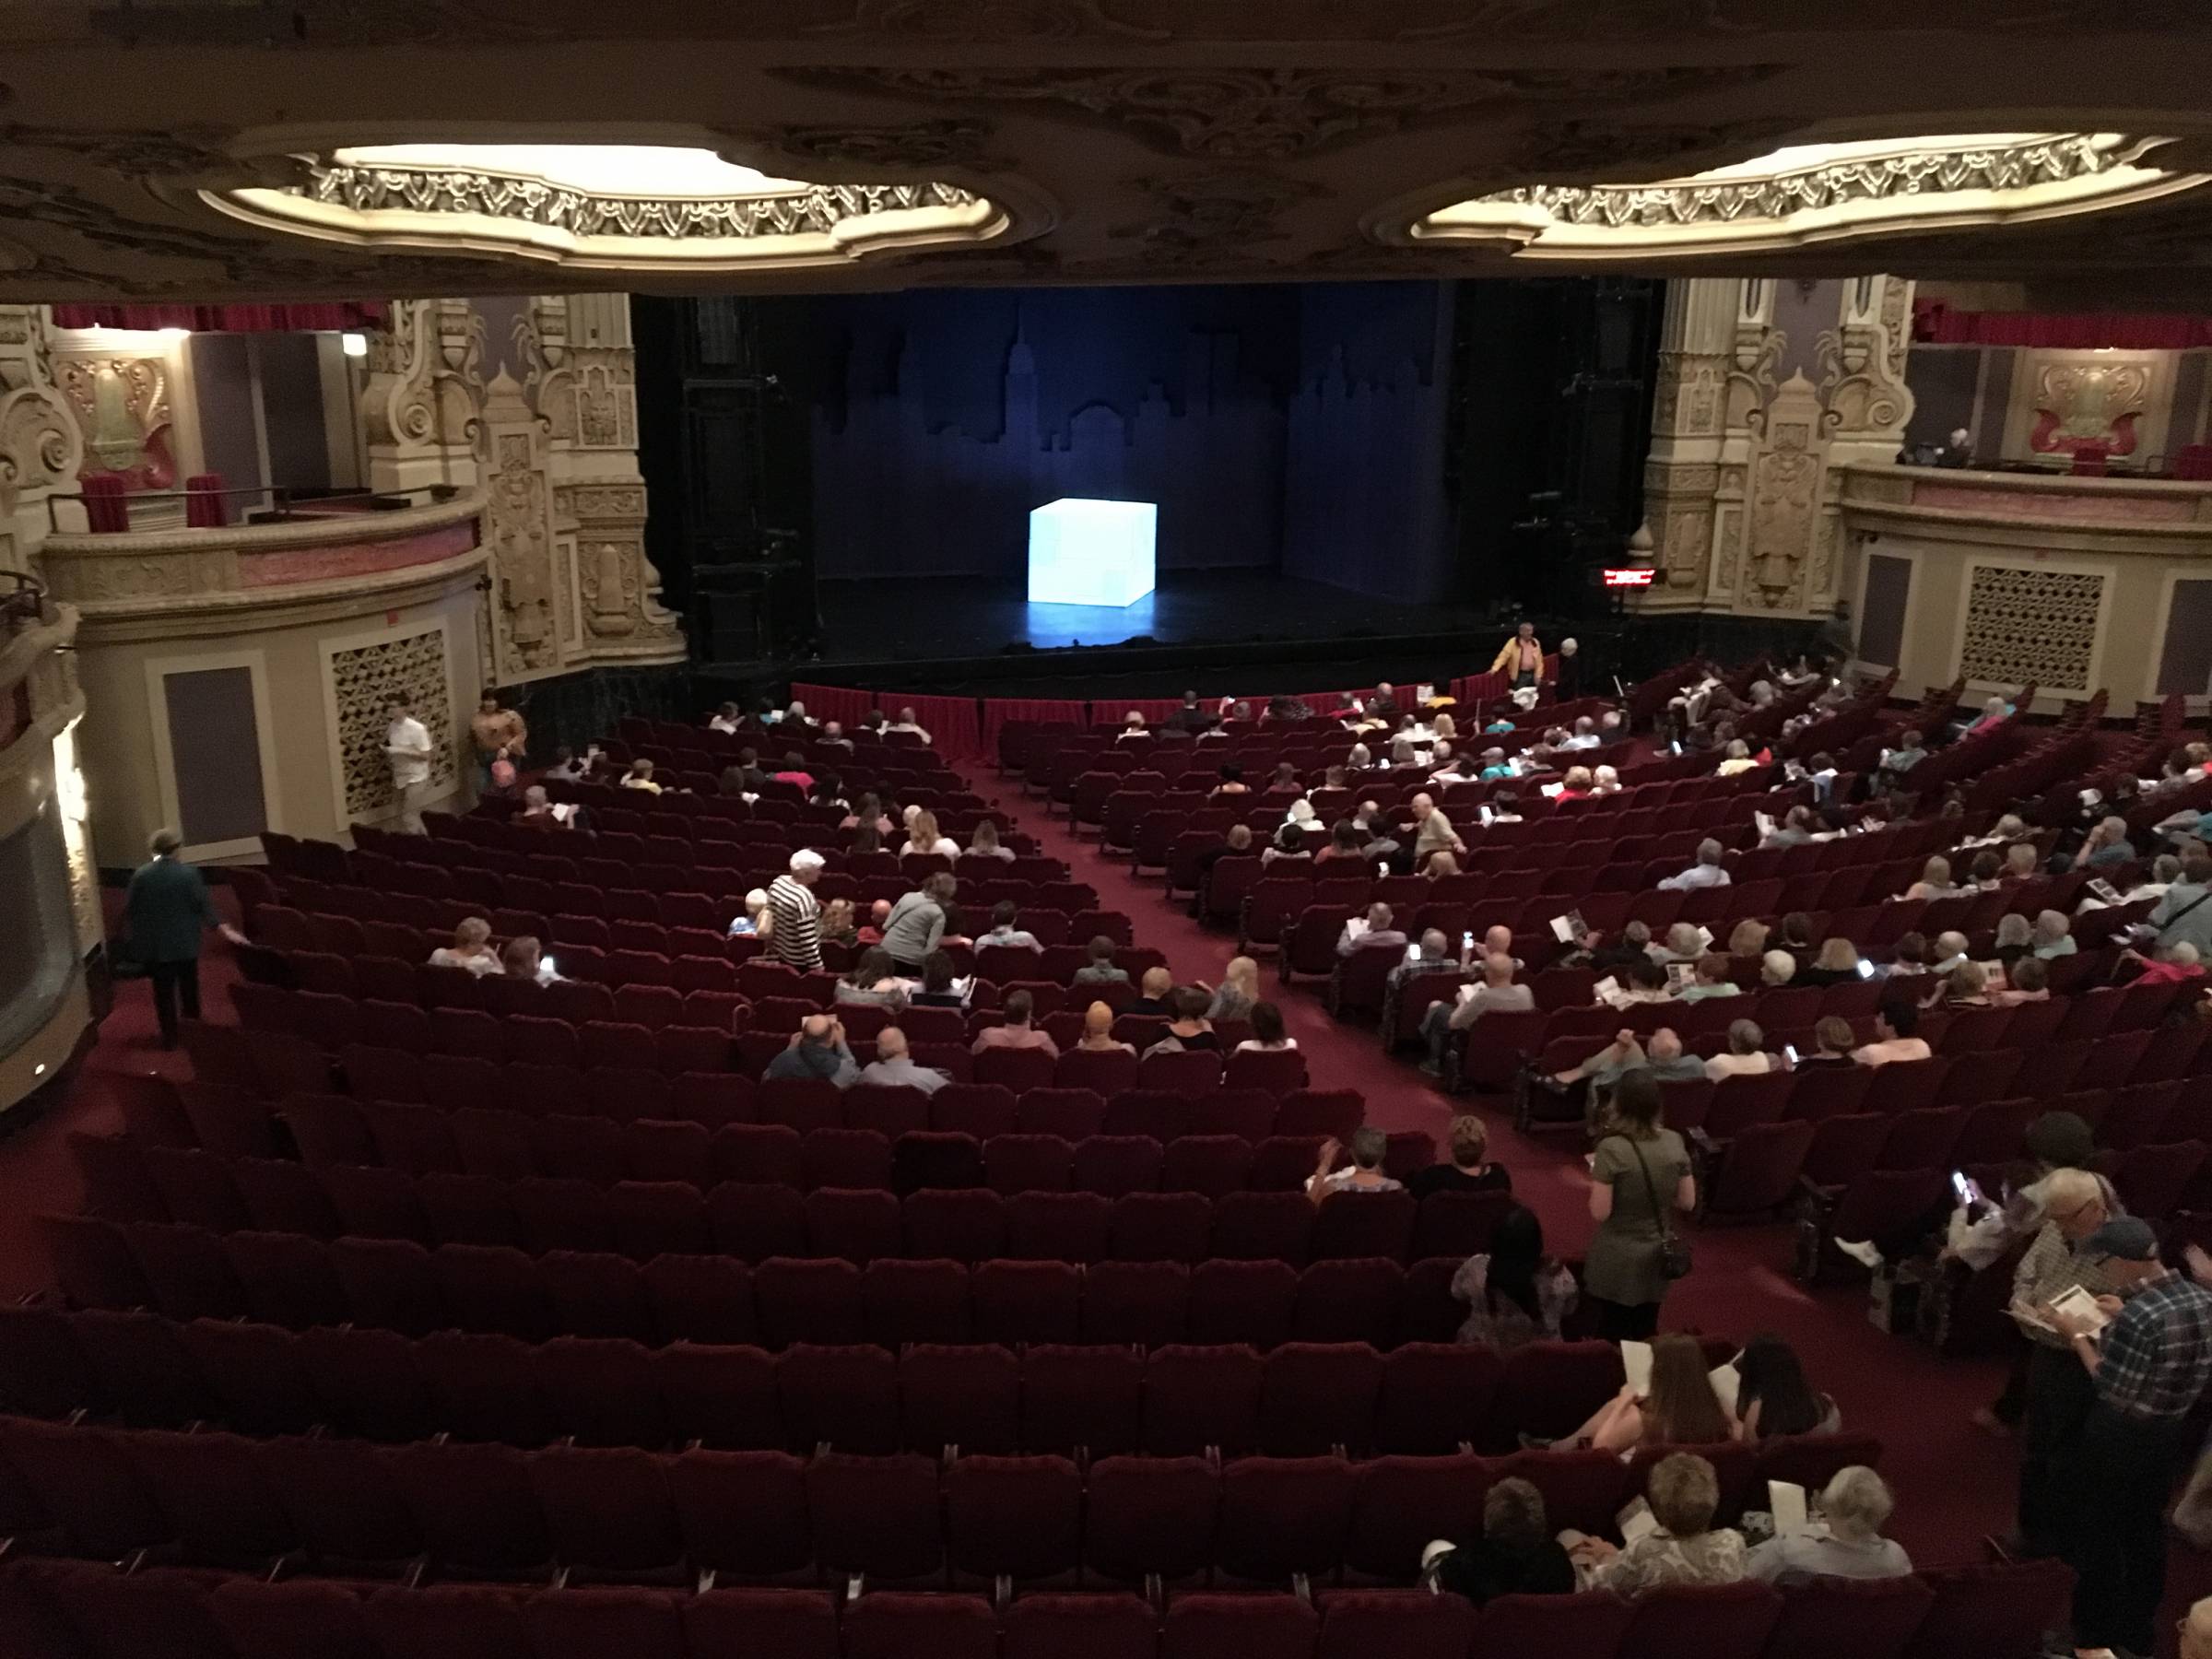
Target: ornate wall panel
2030,626
361,676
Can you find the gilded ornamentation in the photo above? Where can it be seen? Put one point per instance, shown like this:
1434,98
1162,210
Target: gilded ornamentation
40,441
2030,626
1785,497
1221,211
121,406
2088,404
519,530
962,141
363,678
425,375
818,209
1239,115
1860,398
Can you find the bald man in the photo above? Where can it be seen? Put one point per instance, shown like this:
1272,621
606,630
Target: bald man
816,1050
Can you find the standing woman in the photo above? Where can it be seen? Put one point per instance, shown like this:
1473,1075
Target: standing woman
1640,1177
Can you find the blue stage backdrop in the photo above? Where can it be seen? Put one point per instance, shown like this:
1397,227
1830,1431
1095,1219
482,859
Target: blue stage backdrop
1290,426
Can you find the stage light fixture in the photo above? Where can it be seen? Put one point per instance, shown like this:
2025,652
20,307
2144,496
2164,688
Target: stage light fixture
1090,552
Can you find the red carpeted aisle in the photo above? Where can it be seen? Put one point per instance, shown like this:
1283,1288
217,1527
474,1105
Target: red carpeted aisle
1953,1483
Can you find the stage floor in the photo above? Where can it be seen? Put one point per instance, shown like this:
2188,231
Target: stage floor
958,618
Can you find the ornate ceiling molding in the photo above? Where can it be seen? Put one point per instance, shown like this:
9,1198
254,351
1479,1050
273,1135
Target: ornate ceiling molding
990,22
1278,114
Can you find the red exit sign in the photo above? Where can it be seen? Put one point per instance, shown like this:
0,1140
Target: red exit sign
1632,576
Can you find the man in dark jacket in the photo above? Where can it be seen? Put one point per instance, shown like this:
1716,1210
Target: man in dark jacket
166,912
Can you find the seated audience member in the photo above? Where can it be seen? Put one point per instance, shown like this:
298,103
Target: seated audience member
1099,970
1267,1038
1468,1168
1347,841
918,922
2016,939
879,914
1776,968
1515,1294
1363,1174
985,843
1894,1026
906,722
2184,914
1359,758
1133,729
794,770
1832,1044
1634,945
1155,993
1233,780
539,812
833,735
1995,711
2020,862
1017,1031
1496,995
1004,931
2106,846
1098,1031
1683,944
1706,872
1495,765
2027,980
924,836
1664,1059
524,958
1982,875
1734,759
1908,753
1644,982
1190,1028
1946,953
839,925
1794,830
471,948
1749,938
1935,881
1746,1054
640,776
1238,990
938,979
1908,957
1373,931
816,1050
874,722
2175,964
872,982
1290,842
1606,781
2054,935
797,718
1837,964
566,769
893,1068
1434,958
1708,978
1505,808
1855,1503
1773,1401
1190,719
745,778
1966,986
2165,870
1680,1410
1284,781
727,718
1515,1556
756,921
1575,784
1797,938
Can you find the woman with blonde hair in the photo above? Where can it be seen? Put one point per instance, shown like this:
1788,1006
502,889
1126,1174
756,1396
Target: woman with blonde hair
1935,881
984,843
924,836
1738,759
1240,988
1836,963
471,950
1749,938
1575,784
1445,727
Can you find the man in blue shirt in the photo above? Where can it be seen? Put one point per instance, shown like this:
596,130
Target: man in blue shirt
2149,1365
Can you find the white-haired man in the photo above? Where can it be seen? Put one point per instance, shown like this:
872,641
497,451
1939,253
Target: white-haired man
1706,872
906,723
796,914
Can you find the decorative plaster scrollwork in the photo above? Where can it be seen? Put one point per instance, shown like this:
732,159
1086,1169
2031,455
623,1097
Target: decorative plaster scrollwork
957,141
1221,211
363,678
1785,497
425,372
992,21
40,441
2027,625
1275,113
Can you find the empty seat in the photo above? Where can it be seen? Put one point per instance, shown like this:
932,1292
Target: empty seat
1081,1400
1150,1516
1200,1398
1318,1396
964,1397
1239,1626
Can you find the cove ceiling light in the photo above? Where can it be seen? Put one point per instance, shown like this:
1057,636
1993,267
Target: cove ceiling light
1086,552
1812,192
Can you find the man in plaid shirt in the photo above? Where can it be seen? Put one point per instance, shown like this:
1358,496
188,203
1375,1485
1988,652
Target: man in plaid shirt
2153,1360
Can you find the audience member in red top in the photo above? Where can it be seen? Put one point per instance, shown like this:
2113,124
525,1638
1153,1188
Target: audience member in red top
1018,1032
2175,965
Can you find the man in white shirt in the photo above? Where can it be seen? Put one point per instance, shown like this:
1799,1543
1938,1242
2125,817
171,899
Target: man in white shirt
407,748
1496,995
906,722
1706,872
727,718
1374,929
1585,735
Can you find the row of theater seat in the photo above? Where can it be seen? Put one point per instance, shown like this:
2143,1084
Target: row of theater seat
296,1281
755,1220
482,1509
1065,1399
64,1611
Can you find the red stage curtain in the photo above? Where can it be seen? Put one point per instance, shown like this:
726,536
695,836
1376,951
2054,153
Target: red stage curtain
107,504
205,506
1045,710
228,319
834,703
1935,323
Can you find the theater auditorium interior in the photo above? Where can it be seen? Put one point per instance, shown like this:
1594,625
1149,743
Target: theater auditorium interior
1131,828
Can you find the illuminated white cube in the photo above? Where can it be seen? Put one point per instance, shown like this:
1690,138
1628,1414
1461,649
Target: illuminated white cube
1091,552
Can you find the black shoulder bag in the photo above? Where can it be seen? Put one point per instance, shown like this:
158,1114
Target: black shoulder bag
1674,1249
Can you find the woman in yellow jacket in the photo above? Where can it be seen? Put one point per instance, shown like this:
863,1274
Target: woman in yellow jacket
1521,658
